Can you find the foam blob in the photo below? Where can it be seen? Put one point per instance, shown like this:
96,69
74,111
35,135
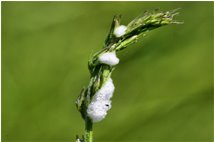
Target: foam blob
97,110
105,92
109,58
120,31
101,103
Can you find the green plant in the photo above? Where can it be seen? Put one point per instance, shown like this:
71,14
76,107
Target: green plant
94,101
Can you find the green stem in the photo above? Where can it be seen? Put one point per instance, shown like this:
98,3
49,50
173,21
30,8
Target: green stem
88,130
101,72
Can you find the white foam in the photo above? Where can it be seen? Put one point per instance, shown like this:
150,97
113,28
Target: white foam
101,103
120,31
106,91
109,58
97,110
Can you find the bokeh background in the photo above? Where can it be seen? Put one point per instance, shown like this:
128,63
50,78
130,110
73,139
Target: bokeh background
164,90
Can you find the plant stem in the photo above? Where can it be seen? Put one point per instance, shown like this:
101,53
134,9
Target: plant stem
88,130
100,72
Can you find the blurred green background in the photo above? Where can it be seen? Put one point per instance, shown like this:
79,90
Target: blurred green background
164,90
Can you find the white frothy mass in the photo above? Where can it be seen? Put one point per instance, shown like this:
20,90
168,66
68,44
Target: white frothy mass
101,103
105,92
120,31
109,58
